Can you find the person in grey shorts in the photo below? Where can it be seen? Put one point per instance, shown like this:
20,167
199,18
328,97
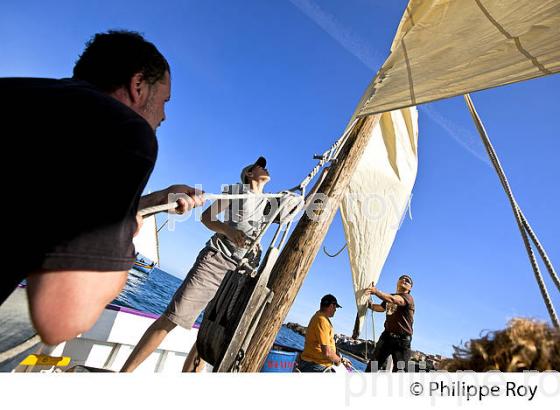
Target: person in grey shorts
243,219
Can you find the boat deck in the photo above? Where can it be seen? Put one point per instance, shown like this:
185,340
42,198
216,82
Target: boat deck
106,345
16,327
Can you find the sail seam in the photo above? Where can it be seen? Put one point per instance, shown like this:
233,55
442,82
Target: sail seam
517,41
409,72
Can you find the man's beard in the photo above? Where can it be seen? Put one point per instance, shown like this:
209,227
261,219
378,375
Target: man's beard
148,110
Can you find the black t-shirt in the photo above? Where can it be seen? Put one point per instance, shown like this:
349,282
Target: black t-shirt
76,161
399,319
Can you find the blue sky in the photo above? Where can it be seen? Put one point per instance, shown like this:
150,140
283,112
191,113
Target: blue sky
281,79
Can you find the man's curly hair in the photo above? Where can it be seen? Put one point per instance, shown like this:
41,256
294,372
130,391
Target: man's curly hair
525,344
111,59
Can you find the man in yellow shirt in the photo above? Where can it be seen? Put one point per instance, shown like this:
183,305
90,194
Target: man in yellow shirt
319,353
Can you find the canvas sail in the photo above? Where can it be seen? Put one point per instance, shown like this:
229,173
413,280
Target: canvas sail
445,48
442,48
378,197
146,242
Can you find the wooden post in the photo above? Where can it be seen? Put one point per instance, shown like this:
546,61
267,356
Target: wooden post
301,249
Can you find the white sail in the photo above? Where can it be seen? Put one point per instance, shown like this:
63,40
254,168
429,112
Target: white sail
378,197
445,48
442,48
146,242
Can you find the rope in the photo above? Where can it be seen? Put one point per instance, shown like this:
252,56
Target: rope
354,370
365,333
373,327
328,155
211,197
162,226
519,217
22,347
336,254
541,251
366,358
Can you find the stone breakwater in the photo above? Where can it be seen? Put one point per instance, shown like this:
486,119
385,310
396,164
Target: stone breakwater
359,347
356,347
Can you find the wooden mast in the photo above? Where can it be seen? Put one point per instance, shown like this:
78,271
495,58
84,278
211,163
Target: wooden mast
301,249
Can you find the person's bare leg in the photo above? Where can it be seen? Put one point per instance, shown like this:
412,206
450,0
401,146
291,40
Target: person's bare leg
149,342
193,362
64,304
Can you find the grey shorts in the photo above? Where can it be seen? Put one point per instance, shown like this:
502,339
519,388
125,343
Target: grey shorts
198,288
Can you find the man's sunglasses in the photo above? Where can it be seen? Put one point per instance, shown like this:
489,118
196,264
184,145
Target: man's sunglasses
406,279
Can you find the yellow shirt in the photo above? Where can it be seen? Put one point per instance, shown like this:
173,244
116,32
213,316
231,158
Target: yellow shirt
319,332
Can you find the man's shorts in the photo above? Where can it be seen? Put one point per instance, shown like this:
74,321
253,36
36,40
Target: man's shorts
310,367
198,288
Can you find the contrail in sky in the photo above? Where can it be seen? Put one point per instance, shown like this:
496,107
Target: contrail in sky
373,60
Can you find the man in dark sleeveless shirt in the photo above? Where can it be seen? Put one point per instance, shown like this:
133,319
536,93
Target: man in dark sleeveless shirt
395,339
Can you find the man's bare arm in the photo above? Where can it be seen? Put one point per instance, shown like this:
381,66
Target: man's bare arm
210,216
190,200
153,199
330,354
210,219
64,304
387,297
376,307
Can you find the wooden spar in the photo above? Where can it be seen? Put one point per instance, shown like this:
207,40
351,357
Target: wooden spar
301,249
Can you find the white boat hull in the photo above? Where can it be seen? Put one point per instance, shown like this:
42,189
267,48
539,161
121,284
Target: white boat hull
109,342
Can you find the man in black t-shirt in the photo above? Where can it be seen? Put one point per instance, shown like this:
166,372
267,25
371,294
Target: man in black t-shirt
395,339
81,151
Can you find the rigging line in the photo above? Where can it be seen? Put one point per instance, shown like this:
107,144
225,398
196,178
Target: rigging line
336,254
541,251
528,229
373,329
366,333
516,210
530,232
352,368
162,226
369,301
329,155
172,205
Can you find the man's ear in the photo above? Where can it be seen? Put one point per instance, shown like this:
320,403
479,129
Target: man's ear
138,89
